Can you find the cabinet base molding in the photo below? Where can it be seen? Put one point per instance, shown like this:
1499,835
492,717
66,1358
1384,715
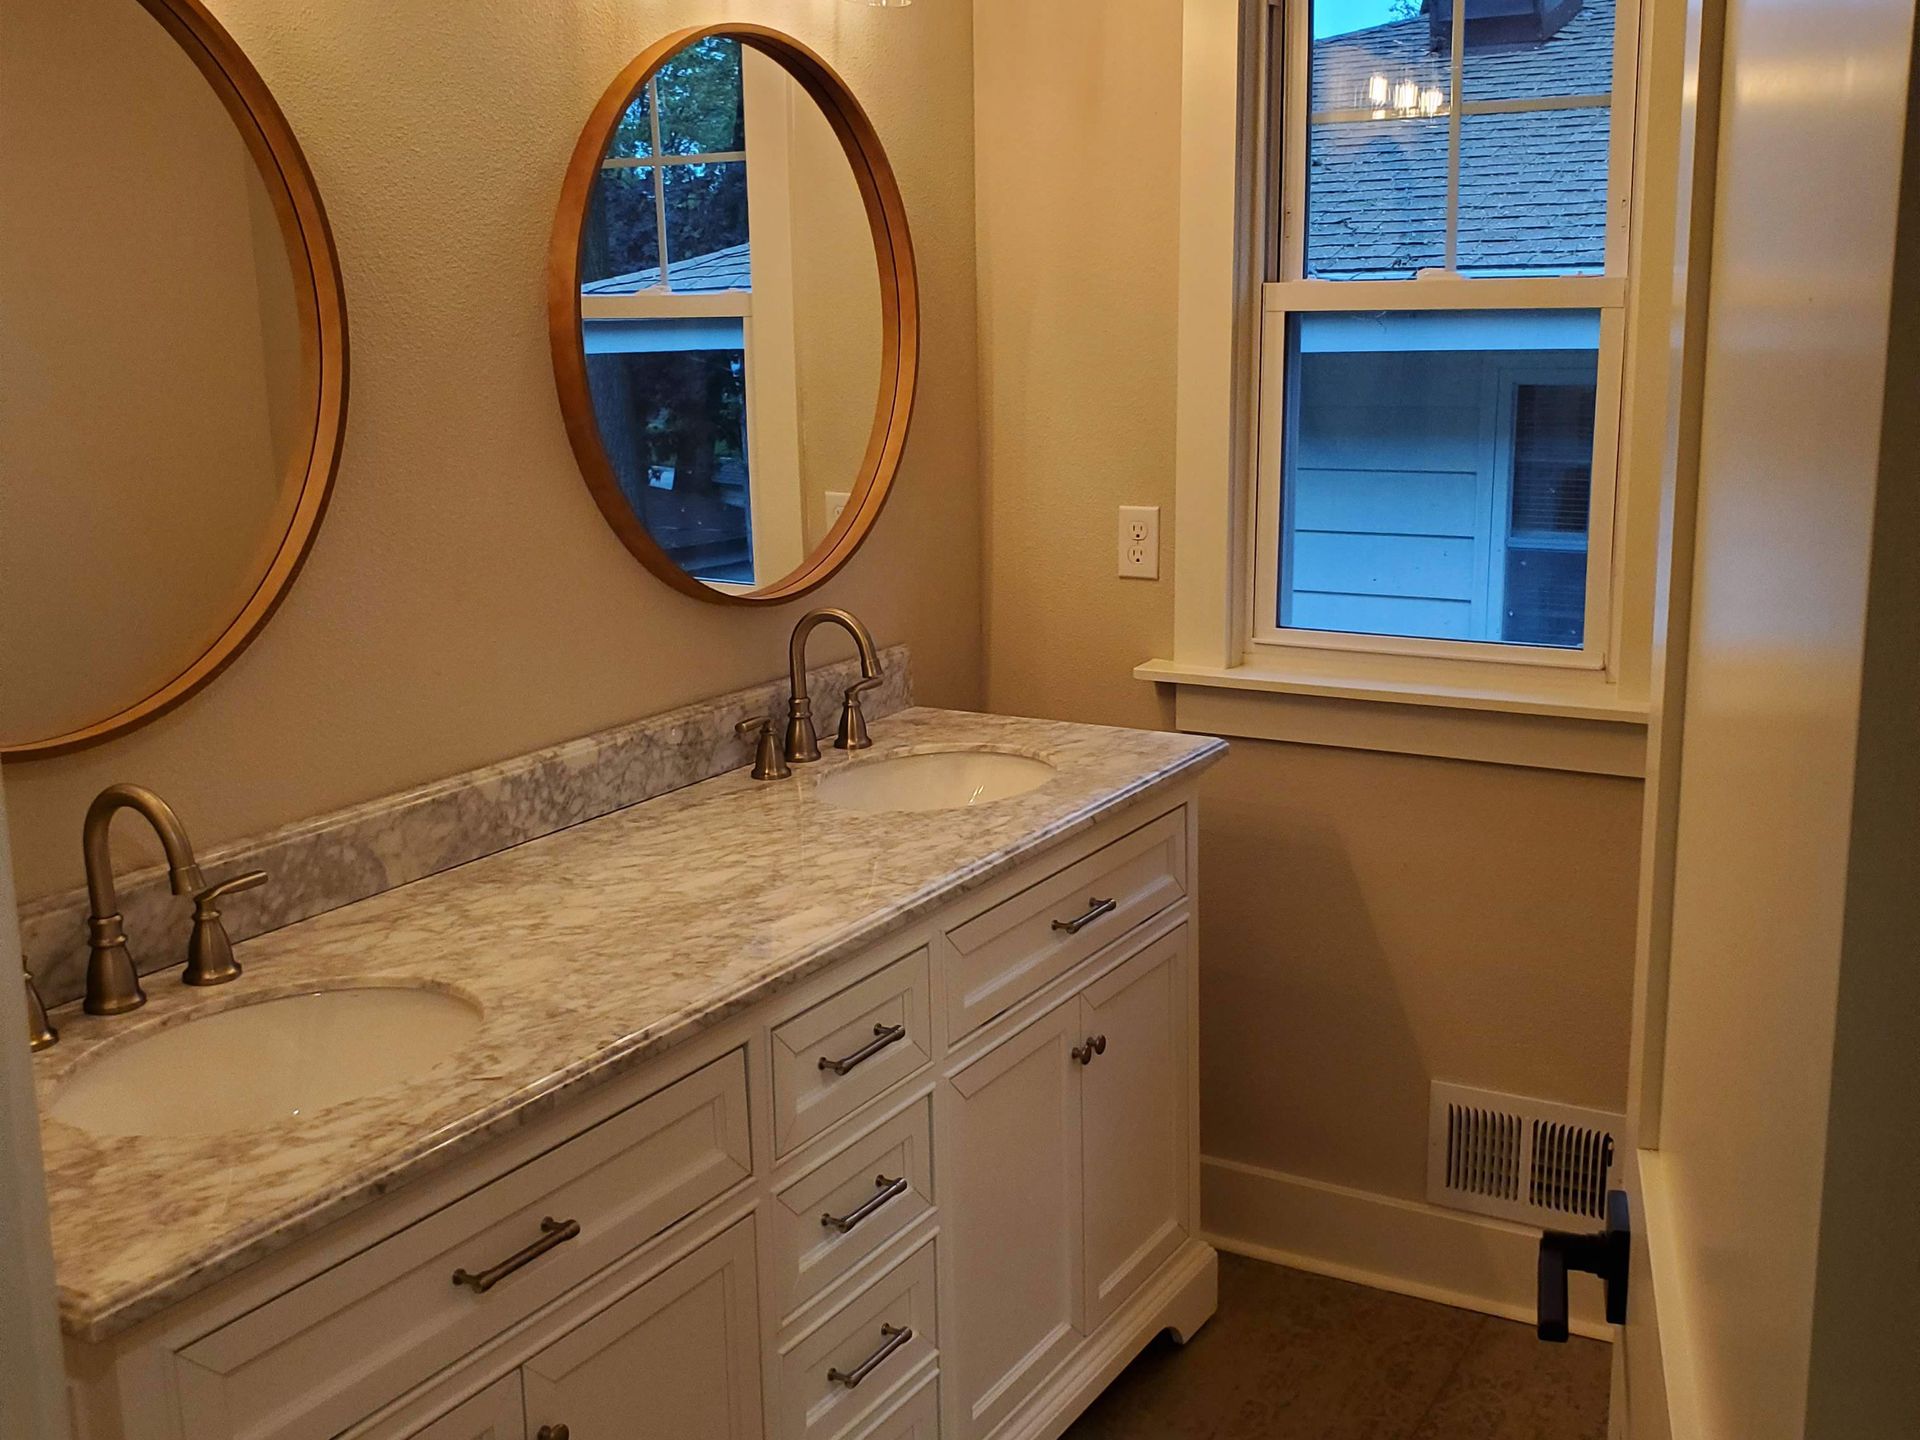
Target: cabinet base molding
1180,1299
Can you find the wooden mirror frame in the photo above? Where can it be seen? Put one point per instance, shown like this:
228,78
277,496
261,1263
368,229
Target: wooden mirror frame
323,346
899,312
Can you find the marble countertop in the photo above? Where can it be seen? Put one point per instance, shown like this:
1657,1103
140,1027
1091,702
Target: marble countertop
591,951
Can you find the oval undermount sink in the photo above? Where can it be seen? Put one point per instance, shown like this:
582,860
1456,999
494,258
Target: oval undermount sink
267,1063
934,780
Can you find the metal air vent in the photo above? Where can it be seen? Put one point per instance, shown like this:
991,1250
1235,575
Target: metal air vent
1517,1158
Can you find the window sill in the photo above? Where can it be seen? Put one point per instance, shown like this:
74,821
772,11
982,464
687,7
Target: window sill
1575,723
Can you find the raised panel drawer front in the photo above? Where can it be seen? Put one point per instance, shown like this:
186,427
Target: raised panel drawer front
840,1212
1007,953
915,1418
678,1358
851,1365
831,1059
341,1345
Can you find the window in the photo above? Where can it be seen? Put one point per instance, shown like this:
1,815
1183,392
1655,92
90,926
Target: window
1443,330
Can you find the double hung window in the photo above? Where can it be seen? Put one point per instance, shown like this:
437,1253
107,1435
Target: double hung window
1442,330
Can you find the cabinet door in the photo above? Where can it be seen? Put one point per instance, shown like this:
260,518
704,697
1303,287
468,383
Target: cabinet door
496,1413
1134,1117
1011,1199
678,1359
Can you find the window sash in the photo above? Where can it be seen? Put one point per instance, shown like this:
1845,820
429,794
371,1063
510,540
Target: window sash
1291,47
1270,639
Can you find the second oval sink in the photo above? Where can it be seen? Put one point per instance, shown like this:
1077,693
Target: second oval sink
265,1064
934,780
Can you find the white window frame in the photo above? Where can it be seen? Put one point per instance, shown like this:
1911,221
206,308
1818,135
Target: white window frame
1288,293
1444,702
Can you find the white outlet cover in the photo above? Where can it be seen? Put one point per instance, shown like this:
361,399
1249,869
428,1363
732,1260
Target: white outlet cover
1139,541
836,502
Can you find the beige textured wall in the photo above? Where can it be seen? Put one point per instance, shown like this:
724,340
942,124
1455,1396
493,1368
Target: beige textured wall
1370,921
464,601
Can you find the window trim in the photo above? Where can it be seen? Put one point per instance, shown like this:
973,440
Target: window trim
1225,238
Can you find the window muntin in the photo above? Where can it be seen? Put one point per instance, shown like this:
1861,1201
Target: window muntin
1504,213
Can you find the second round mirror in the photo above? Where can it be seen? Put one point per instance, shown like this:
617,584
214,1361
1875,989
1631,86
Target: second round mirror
732,314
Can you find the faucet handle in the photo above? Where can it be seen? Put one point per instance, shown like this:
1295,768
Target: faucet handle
209,952
768,762
853,721
40,1032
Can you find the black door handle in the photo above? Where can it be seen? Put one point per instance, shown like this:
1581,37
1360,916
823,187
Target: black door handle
1605,1255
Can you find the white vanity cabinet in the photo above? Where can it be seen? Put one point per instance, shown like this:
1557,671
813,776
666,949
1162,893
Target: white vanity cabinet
1068,1174
943,1187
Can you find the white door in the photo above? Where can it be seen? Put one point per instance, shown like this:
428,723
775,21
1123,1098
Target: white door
496,1413
678,1359
1775,1100
1011,1203
1133,1107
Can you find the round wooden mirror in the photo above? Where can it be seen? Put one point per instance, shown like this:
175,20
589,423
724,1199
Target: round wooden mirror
176,347
733,314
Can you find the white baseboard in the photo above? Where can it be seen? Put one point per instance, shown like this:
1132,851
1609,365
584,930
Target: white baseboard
1469,1261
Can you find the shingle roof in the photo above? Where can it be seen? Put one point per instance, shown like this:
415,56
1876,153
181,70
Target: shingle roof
728,269
1532,184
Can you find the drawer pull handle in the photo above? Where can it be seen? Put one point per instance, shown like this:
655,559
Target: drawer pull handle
1096,1045
553,1432
894,1336
883,1036
1095,909
552,1233
889,1190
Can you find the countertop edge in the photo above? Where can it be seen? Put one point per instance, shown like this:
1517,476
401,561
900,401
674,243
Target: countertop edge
118,1311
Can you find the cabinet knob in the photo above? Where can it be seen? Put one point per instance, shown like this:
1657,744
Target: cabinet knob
552,1432
1096,1045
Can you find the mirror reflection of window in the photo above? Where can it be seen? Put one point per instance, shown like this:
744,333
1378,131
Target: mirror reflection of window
665,302
730,315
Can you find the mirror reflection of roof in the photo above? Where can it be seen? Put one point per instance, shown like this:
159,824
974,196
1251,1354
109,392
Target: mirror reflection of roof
726,269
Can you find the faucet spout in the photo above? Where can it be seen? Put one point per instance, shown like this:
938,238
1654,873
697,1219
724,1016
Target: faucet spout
113,981
803,743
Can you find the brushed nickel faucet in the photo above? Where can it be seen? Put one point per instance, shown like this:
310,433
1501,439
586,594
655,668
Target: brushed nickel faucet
803,744
113,981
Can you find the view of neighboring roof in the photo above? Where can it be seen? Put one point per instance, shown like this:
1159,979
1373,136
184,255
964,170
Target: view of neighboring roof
1532,184
728,269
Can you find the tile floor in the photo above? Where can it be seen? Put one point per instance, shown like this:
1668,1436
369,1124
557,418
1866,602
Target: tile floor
1292,1356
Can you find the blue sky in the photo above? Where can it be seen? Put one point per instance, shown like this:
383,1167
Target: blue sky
1337,17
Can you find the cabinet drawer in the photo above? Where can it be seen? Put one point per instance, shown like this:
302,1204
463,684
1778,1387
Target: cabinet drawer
844,1210
830,1060
850,1366
335,1348
1007,953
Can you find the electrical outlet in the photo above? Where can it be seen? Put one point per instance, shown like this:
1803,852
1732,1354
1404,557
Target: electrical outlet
1140,542
836,502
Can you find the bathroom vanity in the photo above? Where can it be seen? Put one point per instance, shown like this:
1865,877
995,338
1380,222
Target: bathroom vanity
833,1108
